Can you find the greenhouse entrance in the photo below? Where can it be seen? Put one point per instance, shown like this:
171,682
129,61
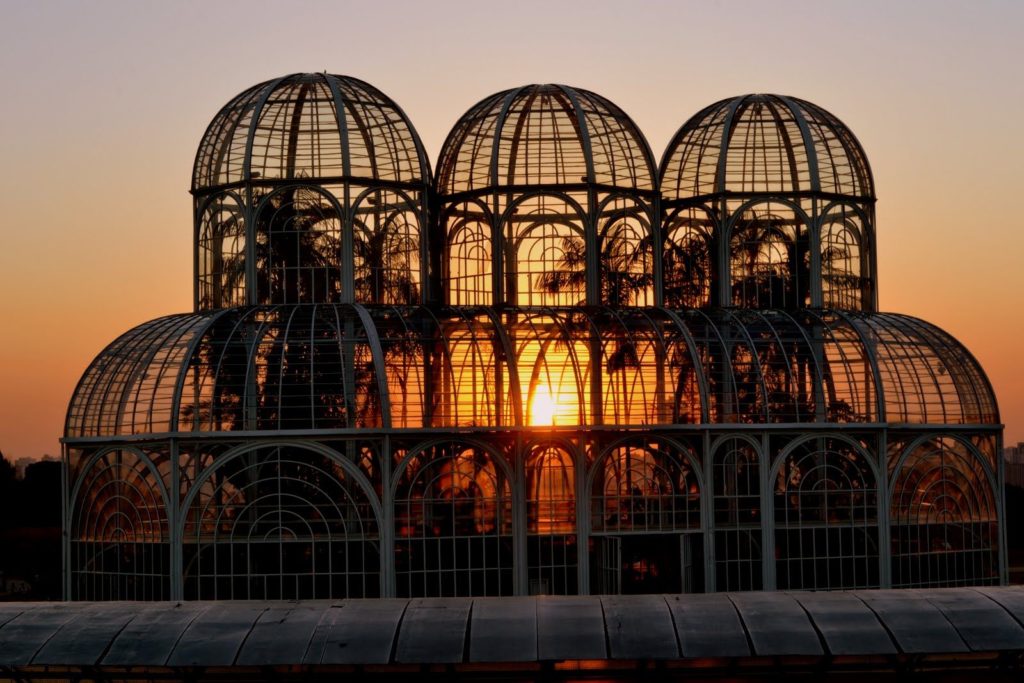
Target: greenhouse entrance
637,564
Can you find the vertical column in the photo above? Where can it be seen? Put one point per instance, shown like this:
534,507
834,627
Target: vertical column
767,516
657,250
582,516
388,581
722,291
348,276
884,511
250,247
814,245
871,301
65,516
174,518
520,549
707,512
196,220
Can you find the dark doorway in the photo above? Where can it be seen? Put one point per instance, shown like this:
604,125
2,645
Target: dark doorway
648,563
651,564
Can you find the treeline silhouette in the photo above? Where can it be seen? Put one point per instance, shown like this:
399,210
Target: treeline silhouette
1015,532
30,555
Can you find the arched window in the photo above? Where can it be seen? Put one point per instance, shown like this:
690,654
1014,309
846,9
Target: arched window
405,348
551,521
119,537
646,520
468,374
470,265
846,368
550,266
748,401
944,524
785,366
626,261
844,282
296,367
553,359
769,258
386,250
826,518
281,523
686,405
633,383
547,262
737,515
649,487
453,524
222,257
298,248
687,263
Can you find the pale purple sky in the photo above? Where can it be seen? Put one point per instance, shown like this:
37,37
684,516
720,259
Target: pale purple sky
103,104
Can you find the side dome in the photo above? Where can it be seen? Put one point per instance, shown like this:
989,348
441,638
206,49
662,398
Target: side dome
311,188
768,203
314,126
540,135
765,143
547,199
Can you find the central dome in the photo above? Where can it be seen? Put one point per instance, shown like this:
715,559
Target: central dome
547,196
544,135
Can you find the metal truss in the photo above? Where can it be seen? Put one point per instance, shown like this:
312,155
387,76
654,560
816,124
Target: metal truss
558,369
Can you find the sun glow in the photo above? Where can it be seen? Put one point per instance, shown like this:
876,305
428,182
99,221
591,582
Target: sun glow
542,407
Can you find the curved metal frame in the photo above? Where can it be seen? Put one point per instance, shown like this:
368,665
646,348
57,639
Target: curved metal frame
370,378
776,149
141,559
857,567
294,111
944,564
463,562
252,583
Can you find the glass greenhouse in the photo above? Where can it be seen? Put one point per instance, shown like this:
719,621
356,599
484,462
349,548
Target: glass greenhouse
550,367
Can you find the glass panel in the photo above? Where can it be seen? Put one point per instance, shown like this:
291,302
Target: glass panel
453,524
551,522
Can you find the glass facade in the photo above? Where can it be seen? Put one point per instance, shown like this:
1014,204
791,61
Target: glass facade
557,369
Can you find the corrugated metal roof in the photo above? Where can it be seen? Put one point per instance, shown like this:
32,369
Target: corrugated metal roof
733,627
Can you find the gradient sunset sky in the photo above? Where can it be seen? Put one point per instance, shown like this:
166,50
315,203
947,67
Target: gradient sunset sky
103,104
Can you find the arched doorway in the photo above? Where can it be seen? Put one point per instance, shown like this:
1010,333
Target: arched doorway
281,522
646,520
551,548
453,523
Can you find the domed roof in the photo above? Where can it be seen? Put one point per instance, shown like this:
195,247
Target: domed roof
544,135
311,126
764,143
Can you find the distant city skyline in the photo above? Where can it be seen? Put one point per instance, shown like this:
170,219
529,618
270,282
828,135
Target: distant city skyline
104,106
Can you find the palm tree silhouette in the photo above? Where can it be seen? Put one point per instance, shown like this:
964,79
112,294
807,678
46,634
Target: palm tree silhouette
298,248
385,272
688,265
624,270
224,222
770,268
624,274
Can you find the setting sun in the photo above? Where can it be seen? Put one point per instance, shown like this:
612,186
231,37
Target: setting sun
542,407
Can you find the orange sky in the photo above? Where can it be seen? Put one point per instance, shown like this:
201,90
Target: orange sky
103,105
